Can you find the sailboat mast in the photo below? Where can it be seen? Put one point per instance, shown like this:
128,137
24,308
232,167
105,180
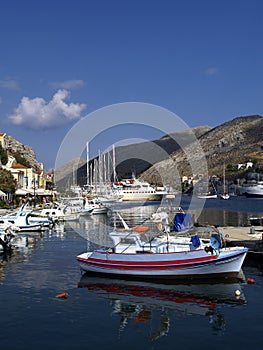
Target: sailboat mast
73,176
104,170
224,178
108,168
87,154
113,163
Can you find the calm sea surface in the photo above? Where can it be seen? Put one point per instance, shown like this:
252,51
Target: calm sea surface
105,313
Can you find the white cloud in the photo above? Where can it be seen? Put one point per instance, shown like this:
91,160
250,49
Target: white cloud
68,84
9,84
37,113
211,71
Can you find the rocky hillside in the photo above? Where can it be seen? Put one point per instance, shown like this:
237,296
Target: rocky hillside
15,147
137,158
134,158
67,174
231,143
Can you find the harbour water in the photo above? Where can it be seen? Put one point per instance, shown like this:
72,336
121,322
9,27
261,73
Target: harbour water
101,312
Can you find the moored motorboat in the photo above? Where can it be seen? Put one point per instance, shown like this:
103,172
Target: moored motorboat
22,220
207,196
253,189
135,254
93,206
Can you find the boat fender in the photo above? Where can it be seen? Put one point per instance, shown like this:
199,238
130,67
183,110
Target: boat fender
237,293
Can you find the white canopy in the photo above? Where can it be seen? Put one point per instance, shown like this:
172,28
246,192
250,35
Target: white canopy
22,192
38,191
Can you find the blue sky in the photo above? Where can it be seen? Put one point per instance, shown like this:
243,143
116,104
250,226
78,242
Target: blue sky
61,60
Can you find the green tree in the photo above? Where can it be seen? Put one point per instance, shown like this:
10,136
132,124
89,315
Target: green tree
7,181
21,160
3,155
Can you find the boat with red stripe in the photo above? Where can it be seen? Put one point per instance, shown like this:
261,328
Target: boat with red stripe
134,254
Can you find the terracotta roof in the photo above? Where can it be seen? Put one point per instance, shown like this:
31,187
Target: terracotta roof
19,166
2,134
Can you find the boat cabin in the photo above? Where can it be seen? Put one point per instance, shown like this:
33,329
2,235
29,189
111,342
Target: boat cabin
131,242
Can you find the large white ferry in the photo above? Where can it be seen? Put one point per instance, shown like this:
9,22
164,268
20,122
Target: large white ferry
136,190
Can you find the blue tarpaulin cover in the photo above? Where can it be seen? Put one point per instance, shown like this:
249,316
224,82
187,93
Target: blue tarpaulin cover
182,221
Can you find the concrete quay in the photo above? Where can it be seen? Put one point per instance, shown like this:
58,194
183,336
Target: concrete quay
250,237
246,233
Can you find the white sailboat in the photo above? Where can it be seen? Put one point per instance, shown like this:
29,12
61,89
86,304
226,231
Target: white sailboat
101,187
225,194
208,195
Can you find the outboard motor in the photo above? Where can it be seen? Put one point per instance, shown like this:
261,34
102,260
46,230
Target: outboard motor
216,241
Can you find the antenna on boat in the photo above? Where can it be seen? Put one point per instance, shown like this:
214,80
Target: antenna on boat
167,231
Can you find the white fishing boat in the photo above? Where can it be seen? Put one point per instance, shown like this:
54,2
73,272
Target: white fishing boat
34,216
143,255
61,212
207,190
22,220
207,196
91,205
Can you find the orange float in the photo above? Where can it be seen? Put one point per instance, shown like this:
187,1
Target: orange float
140,229
62,296
250,280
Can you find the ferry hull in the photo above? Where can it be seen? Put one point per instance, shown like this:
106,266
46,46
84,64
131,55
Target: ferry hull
142,197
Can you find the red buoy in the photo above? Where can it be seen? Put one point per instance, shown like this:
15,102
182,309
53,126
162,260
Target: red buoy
250,280
62,295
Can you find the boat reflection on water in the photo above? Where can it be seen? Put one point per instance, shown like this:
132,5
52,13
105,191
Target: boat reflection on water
142,302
